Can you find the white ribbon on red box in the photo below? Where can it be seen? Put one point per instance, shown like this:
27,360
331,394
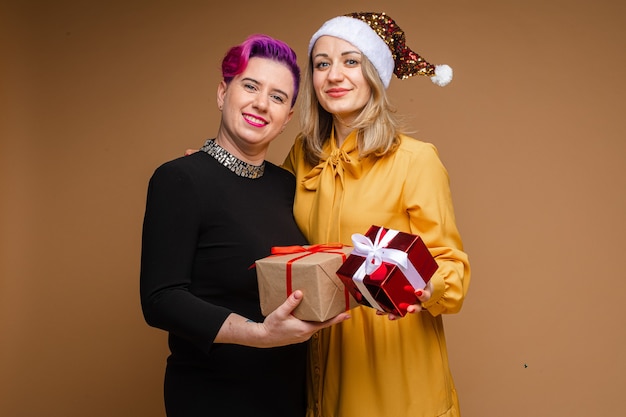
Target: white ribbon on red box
375,254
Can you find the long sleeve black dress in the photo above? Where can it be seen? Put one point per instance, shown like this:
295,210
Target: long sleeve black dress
203,229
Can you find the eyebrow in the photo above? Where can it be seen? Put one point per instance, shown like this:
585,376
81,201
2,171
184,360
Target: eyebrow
342,54
278,90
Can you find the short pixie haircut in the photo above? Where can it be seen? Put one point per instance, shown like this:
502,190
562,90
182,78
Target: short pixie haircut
261,46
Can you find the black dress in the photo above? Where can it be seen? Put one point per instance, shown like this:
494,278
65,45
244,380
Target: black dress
203,229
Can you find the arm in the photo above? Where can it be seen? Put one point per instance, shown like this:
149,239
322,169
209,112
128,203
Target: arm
429,205
278,329
169,241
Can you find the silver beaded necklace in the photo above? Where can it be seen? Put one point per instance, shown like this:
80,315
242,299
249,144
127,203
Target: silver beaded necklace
230,161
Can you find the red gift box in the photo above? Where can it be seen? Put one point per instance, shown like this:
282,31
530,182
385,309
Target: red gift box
385,269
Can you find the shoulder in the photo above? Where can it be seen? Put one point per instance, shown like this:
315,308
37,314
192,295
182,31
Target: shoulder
416,157
190,162
296,157
279,174
298,146
183,168
415,146
299,141
417,151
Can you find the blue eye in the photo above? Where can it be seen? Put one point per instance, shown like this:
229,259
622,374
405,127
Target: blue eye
278,99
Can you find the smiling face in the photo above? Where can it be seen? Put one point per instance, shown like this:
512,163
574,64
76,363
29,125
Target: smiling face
256,106
338,79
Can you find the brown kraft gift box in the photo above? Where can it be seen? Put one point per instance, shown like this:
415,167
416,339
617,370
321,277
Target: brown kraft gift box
311,269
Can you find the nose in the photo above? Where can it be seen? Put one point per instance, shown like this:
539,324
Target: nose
261,101
335,73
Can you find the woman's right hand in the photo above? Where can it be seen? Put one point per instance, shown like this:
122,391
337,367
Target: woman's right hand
281,328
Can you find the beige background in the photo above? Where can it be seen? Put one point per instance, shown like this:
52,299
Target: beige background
96,94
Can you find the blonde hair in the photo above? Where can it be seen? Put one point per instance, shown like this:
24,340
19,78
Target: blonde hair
378,126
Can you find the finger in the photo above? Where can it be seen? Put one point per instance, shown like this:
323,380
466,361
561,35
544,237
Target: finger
335,320
290,303
414,308
390,316
423,295
330,322
339,318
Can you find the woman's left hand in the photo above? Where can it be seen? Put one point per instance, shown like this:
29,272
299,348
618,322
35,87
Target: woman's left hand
422,295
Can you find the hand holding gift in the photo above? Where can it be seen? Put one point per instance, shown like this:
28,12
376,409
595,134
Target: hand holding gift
422,296
281,327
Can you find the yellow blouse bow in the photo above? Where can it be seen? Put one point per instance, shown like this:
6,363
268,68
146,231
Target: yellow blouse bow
327,181
340,159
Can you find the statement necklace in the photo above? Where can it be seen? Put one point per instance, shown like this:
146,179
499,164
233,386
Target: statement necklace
230,161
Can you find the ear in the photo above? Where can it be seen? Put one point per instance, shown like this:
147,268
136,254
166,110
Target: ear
221,92
287,121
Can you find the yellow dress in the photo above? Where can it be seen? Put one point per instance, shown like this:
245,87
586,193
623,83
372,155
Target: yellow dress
369,366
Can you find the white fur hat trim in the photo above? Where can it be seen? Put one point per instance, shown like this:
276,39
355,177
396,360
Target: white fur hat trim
359,34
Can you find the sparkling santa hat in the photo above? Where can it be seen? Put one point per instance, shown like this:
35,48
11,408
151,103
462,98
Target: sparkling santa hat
382,41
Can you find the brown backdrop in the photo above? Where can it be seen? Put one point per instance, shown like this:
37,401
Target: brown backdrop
96,94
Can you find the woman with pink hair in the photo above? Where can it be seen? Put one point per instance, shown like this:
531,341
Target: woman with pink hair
208,217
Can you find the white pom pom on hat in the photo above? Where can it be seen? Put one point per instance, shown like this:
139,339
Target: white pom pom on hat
443,75
384,43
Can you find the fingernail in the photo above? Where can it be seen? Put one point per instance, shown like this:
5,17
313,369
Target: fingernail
419,293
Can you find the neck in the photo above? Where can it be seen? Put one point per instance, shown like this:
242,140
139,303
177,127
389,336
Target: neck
342,130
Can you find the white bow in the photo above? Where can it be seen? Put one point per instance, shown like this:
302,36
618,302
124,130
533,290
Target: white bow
376,252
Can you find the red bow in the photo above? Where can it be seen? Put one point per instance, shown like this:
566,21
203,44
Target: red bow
286,250
308,250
